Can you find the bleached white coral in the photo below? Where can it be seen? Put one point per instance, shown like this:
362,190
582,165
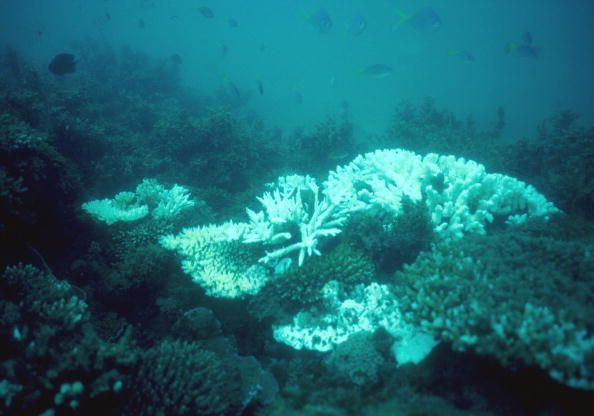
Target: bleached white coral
123,207
150,196
367,308
379,178
463,198
460,195
172,202
218,261
286,209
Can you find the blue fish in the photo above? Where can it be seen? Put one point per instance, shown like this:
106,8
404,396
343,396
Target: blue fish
523,48
424,19
206,12
376,71
356,25
320,21
462,55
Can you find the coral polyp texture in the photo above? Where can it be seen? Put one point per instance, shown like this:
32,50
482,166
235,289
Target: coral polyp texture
298,216
523,299
218,261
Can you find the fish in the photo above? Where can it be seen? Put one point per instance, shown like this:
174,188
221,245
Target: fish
224,50
206,12
62,63
232,22
320,20
527,51
107,16
140,23
298,97
233,90
376,71
176,59
423,19
462,55
524,47
260,87
356,25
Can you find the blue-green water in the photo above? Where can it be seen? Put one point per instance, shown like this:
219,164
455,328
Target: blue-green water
275,43
296,207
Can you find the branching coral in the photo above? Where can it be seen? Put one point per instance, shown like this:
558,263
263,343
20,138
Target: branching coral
285,208
520,298
52,360
298,215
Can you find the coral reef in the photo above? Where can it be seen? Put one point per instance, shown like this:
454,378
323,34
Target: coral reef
301,287
181,378
149,196
523,299
52,359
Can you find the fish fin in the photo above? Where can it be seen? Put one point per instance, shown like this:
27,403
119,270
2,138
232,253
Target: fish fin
401,18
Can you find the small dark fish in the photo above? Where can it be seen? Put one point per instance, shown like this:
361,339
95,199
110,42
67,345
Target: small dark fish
206,12
63,63
233,23
320,21
176,59
424,19
234,90
174,17
107,16
298,97
462,55
523,48
527,51
356,25
40,34
260,88
140,23
376,71
224,50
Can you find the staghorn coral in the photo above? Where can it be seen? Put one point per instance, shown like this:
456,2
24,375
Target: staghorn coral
296,214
